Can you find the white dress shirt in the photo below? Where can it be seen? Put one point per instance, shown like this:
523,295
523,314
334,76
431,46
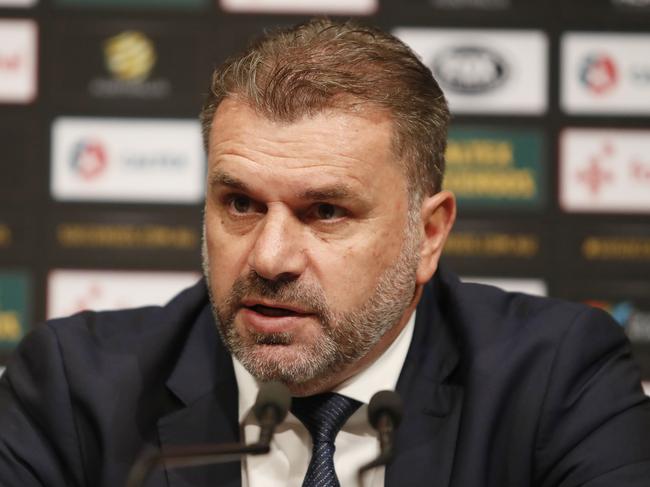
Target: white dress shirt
356,443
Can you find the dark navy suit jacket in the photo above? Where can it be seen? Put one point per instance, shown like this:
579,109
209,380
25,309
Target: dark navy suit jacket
500,390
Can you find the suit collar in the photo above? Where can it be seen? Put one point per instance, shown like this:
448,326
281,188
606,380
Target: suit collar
203,362
432,395
204,382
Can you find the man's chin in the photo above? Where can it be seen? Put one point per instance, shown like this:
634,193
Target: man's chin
290,364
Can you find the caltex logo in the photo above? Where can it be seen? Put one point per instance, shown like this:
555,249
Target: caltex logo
89,159
598,73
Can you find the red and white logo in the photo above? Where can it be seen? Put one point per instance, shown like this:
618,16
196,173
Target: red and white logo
596,175
599,73
18,40
134,160
605,170
605,73
89,159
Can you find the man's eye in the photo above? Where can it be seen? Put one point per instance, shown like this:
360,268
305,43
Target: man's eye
241,204
326,211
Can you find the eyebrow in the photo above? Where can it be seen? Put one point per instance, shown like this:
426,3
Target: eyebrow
333,192
225,179
337,192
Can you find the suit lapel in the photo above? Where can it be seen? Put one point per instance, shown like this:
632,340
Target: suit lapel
204,382
426,438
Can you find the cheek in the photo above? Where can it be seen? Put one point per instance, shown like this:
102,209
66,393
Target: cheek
349,275
227,256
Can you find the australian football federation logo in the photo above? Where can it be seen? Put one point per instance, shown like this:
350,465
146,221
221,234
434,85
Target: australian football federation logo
129,56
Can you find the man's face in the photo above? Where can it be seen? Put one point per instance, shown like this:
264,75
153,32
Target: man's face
309,254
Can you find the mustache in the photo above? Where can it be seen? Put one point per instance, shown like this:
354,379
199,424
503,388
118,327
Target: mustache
289,292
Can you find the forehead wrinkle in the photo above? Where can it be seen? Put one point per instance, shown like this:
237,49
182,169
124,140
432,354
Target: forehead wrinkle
329,192
299,156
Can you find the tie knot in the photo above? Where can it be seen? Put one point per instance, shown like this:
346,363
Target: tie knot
324,414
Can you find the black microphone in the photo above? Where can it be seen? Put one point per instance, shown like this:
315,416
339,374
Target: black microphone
270,409
384,414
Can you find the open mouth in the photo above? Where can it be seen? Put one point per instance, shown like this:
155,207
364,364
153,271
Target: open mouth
272,311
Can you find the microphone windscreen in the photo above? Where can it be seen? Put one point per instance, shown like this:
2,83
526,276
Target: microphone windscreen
273,395
385,402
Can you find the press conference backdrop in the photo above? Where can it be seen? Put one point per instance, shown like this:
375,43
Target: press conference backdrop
101,165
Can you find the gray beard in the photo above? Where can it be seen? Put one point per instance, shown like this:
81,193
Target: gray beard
346,337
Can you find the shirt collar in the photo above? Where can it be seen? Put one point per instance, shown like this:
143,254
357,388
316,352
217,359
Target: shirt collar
382,374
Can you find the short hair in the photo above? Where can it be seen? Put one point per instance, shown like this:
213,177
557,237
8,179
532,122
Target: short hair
300,71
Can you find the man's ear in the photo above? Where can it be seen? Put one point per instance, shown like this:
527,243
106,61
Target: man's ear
438,213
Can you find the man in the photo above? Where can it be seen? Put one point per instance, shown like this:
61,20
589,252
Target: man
324,225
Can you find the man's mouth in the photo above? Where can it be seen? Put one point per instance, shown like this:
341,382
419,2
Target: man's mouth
265,316
273,311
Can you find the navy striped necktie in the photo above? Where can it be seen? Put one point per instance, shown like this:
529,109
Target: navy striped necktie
323,415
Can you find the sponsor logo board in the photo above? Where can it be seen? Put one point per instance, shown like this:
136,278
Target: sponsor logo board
353,7
155,4
129,58
536,287
127,160
492,244
127,236
17,3
605,170
607,7
473,4
18,63
71,291
632,3
605,73
485,71
615,248
495,168
121,65
14,308
496,246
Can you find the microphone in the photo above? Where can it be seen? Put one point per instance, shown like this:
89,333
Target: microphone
270,408
384,415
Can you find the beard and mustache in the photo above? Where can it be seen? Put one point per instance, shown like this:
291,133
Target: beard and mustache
343,337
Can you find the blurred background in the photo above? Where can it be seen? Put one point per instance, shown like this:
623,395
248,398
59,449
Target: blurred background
102,167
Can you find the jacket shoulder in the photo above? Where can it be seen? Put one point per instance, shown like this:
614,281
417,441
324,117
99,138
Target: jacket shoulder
484,315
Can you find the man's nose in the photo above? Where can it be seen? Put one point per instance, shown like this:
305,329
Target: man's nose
279,251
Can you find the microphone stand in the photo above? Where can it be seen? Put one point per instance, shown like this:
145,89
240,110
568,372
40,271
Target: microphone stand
384,414
271,408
